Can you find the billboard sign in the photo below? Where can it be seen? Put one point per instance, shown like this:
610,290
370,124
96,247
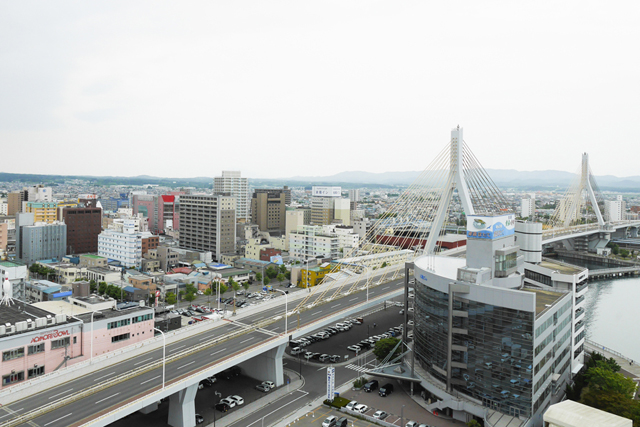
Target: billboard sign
326,191
276,259
490,227
331,382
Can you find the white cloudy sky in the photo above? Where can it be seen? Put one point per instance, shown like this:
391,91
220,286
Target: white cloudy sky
277,89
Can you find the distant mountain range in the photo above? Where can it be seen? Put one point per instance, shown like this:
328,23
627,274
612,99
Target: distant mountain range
504,178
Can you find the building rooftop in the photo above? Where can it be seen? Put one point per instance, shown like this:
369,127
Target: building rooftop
544,298
11,264
61,307
563,268
93,256
18,312
110,313
569,413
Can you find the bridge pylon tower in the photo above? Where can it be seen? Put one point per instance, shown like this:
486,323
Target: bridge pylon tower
569,206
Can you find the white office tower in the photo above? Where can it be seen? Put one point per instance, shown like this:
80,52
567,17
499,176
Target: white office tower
354,195
614,209
342,211
231,182
528,207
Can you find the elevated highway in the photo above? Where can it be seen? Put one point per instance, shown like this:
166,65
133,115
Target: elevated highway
103,396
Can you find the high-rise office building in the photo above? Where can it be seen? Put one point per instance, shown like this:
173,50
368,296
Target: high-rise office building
37,242
161,211
484,337
231,182
84,224
268,210
528,207
208,223
614,209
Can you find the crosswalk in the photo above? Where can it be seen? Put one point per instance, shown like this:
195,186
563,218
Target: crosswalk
358,368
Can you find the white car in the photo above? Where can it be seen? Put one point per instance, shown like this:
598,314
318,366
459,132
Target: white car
411,424
380,415
229,401
361,408
239,401
330,421
269,384
351,405
355,348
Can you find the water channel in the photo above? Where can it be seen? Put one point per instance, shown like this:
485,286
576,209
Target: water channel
611,308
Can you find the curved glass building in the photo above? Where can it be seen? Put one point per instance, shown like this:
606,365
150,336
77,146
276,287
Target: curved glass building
489,343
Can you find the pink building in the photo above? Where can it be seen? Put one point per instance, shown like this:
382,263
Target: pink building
36,341
162,211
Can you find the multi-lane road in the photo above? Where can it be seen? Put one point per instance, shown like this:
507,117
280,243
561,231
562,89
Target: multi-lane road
82,409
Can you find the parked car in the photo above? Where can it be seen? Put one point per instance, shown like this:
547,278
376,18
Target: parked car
308,355
323,357
380,415
269,384
330,421
296,350
199,419
411,424
354,348
232,403
351,405
371,386
361,408
222,406
335,358
386,390
342,422
239,400
263,388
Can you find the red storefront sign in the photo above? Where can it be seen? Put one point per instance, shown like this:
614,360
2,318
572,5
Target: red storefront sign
54,334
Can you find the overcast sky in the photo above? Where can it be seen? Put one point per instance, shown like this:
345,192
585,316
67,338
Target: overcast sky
279,89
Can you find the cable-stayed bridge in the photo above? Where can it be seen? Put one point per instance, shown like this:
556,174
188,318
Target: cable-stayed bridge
454,183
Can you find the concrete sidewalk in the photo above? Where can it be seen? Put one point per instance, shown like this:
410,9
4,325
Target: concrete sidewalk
629,366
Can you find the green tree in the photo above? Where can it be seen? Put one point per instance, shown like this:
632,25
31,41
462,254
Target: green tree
208,293
102,288
385,346
170,298
624,253
473,423
190,296
283,269
246,285
280,277
288,275
615,249
266,281
259,277
223,288
602,378
384,264
93,286
271,273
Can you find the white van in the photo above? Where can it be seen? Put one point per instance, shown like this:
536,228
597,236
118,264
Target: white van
296,350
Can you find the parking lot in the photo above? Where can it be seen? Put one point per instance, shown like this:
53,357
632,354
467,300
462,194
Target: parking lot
206,398
337,344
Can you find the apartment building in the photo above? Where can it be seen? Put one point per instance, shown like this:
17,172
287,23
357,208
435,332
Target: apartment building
232,183
268,210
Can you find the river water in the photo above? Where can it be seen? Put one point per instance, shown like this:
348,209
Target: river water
611,312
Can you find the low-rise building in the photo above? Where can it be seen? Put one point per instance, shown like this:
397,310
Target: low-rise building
101,274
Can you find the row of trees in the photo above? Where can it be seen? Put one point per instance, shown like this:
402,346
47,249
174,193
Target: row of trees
279,273
43,271
602,386
624,253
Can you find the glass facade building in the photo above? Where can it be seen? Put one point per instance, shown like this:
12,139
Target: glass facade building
496,367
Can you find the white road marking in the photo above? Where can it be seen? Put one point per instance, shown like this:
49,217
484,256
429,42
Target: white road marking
204,338
353,299
142,361
176,348
51,422
60,393
259,318
276,410
104,376
248,339
151,379
318,312
337,305
11,412
190,363
102,400
216,352
386,288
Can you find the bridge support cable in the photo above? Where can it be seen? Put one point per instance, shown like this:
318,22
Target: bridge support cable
418,214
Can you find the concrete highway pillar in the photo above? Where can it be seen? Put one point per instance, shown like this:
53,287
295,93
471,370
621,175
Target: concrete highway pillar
267,366
182,409
149,409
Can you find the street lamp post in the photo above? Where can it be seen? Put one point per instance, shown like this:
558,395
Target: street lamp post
92,313
308,289
164,348
286,312
402,415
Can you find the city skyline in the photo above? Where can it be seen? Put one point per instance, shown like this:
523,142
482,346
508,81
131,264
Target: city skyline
201,87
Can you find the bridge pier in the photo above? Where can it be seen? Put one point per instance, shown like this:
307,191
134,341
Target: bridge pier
149,409
182,408
267,366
